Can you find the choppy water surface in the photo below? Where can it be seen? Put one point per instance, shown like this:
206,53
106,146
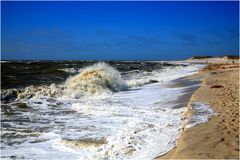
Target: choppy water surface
88,110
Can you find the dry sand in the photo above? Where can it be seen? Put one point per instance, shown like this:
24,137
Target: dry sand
219,137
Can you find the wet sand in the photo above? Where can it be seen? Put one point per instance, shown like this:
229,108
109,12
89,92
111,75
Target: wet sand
219,137
191,86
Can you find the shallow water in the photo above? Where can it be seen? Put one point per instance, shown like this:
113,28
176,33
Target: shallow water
201,114
137,122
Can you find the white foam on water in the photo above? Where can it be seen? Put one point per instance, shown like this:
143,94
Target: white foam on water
96,79
99,78
41,150
5,61
163,75
138,123
71,70
201,114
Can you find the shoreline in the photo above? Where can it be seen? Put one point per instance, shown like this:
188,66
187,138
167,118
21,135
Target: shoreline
218,138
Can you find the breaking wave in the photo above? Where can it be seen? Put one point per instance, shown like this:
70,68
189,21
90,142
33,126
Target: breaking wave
96,79
93,80
99,78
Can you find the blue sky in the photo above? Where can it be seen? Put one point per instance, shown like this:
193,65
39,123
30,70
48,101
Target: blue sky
118,30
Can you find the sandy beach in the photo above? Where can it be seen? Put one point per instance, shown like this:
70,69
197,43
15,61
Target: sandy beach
119,80
219,137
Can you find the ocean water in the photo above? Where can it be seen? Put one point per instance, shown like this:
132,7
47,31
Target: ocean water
90,110
201,114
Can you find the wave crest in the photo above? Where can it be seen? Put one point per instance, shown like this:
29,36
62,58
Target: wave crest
96,79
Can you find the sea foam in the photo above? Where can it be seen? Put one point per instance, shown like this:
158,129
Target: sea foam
201,114
93,80
96,79
80,121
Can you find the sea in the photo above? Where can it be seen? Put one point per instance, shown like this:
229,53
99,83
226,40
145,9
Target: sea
88,110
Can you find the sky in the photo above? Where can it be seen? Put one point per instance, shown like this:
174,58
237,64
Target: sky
162,30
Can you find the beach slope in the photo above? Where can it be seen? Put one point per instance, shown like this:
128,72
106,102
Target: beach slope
219,137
